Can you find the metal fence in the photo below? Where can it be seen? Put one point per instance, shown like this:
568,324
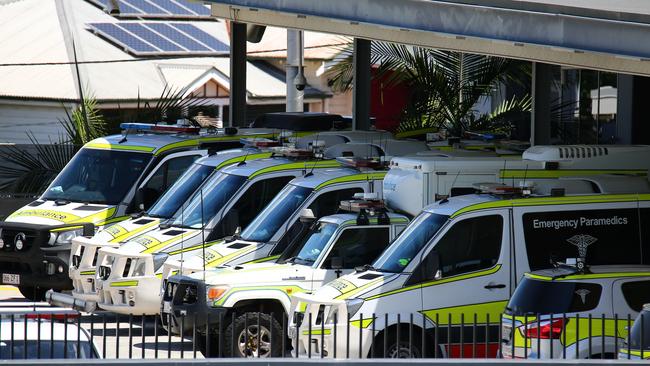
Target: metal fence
43,335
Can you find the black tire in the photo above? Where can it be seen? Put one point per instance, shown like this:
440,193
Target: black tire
32,293
271,330
404,351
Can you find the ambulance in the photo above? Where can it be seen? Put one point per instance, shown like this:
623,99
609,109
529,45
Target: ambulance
414,182
574,311
128,274
106,181
334,245
460,260
84,249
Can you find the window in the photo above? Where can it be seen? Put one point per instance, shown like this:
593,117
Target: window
553,297
636,294
470,245
98,176
324,205
249,205
169,171
180,191
359,246
613,236
409,243
645,236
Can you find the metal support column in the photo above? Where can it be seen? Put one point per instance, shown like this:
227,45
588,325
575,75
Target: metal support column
361,98
540,129
295,79
237,110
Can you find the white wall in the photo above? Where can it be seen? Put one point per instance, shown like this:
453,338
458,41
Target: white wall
17,118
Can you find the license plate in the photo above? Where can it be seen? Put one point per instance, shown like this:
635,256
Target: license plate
10,279
166,307
506,333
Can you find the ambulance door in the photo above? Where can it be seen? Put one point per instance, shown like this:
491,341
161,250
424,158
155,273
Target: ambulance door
471,282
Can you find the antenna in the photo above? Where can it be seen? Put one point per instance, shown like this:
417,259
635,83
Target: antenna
202,232
315,162
503,173
182,236
453,183
525,174
243,162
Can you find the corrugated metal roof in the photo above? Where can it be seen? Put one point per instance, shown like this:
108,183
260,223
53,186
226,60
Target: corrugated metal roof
43,31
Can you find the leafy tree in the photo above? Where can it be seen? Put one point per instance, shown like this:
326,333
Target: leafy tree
444,86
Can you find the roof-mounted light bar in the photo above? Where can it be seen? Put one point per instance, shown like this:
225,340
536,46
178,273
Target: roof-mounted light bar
150,127
359,162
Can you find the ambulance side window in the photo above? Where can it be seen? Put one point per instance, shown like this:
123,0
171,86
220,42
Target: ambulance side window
324,205
470,245
169,171
636,294
358,246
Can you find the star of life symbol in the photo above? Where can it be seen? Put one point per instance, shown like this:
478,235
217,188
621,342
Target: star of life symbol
583,294
582,241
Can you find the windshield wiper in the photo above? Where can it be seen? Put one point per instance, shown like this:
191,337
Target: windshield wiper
369,267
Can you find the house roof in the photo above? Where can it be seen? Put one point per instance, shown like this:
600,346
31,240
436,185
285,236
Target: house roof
48,32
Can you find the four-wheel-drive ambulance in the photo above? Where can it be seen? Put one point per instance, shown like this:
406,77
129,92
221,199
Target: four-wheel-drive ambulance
108,179
568,312
416,181
126,278
334,245
463,256
84,249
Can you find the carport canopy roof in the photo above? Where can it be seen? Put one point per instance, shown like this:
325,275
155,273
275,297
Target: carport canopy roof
596,34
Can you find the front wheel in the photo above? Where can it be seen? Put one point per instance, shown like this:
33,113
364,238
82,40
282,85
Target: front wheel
32,293
247,339
401,349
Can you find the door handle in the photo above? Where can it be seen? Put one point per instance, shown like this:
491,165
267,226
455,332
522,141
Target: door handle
491,286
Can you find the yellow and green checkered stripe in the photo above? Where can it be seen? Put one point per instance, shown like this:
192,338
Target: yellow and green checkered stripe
544,201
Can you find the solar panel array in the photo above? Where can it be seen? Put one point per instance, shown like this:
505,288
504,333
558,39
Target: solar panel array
157,8
157,38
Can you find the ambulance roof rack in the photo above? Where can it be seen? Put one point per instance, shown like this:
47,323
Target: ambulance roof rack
362,163
130,127
367,205
525,188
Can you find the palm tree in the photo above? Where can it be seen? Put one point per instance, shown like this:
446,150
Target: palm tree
444,86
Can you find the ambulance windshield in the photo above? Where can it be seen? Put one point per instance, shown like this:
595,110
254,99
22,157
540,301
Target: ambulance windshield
208,200
400,252
98,176
276,214
180,191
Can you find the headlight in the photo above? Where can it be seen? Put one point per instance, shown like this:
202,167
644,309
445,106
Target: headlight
353,306
158,260
216,292
64,237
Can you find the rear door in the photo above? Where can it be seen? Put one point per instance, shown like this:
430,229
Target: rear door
608,233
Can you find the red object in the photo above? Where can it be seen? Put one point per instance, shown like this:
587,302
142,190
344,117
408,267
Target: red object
53,316
543,330
176,129
469,350
387,103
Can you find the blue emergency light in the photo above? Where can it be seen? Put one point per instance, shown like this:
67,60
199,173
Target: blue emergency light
134,126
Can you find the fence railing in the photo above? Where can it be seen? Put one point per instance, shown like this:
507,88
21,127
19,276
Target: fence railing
43,335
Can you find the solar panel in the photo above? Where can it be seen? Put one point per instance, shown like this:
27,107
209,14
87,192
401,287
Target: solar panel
178,37
201,36
151,37
199,9
157,38
159,9
122,37
146,7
